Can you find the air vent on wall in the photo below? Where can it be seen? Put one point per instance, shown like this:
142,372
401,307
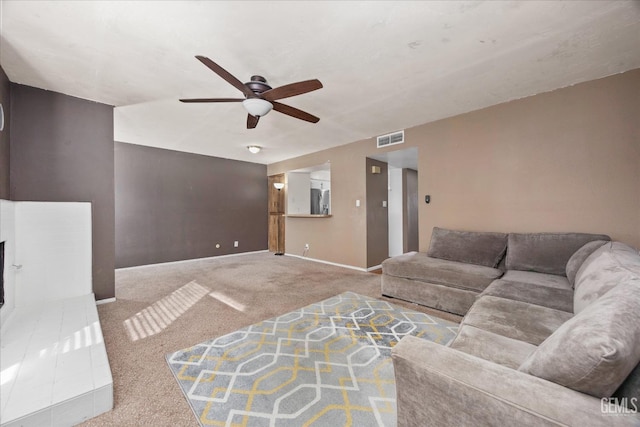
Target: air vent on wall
391,139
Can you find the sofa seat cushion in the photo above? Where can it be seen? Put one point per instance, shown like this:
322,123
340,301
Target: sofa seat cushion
545,252
419,266
471,247
539,279
493,347
556,298
604,269
596,350
515,319
440,297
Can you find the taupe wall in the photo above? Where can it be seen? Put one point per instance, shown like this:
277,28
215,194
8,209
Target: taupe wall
5,98
62,151
174,206
567,160
342,237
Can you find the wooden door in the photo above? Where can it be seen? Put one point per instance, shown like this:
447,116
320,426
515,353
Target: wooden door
276,227
276,214
377,186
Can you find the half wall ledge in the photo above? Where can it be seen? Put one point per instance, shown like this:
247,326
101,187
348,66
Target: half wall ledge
55,369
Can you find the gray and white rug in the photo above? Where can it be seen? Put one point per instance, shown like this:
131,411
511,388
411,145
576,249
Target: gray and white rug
325,364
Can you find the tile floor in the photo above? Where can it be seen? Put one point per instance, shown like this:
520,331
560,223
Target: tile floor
54,366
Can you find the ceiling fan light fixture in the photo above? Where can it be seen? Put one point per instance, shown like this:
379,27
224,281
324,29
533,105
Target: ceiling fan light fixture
259,97
257,107
255,149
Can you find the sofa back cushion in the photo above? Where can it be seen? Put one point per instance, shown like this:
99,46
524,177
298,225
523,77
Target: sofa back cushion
605,268
471,247
579,257
594,351
545,252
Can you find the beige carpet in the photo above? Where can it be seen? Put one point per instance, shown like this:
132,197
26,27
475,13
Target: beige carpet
165,308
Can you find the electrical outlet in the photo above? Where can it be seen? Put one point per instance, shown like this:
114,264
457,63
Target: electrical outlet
306,246
235,244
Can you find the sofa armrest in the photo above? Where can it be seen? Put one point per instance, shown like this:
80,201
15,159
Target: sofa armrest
438,385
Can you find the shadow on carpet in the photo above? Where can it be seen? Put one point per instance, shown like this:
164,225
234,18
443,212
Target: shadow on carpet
325,364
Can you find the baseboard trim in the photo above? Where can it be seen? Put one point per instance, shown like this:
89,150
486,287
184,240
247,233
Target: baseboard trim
105,301
190,260
328,262
375,267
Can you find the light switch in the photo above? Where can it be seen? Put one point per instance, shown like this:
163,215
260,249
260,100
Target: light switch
384,203
357,203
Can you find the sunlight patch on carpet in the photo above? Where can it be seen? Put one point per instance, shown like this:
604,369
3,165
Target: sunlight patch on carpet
325,364
225,299
158,316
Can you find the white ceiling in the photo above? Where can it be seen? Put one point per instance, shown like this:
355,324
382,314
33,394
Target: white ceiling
384,65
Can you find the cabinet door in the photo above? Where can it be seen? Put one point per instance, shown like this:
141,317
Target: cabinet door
54,247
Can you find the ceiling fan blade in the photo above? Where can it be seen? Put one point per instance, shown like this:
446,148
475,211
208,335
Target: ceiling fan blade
227,76
294,112
212,100
291,89
252,121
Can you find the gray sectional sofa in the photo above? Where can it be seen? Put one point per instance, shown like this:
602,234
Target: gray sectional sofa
459,265
551,328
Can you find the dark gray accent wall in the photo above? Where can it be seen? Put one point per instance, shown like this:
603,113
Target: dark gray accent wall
173,206
62,151
5,100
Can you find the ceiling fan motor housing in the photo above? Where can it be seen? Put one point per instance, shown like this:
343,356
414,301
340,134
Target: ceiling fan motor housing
258,84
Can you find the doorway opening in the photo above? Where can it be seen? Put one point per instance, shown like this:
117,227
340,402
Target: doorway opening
396,232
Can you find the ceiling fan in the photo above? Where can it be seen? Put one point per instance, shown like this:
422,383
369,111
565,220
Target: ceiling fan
260,98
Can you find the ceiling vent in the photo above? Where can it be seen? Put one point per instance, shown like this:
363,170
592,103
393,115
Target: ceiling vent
391,139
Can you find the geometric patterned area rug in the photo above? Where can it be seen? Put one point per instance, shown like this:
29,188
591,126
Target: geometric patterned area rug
327,364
